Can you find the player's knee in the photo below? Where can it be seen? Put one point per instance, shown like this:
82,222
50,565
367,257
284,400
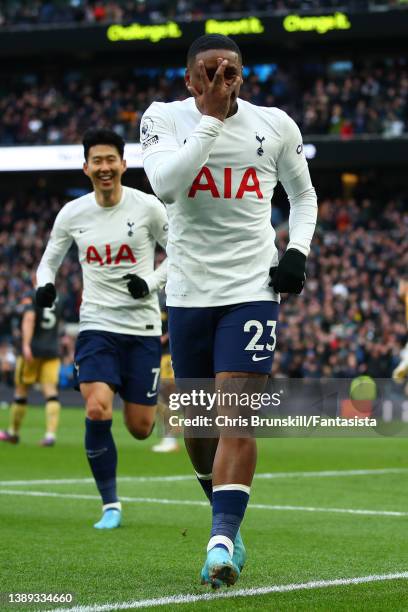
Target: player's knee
95,409
237,445
140,429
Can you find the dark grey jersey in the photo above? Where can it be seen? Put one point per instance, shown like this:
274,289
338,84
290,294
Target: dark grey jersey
45,338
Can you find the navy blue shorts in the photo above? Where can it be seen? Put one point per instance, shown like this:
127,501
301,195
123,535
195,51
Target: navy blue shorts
129,363
237,338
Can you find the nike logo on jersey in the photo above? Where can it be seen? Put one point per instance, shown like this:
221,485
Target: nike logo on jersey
151,393
82,231
256,358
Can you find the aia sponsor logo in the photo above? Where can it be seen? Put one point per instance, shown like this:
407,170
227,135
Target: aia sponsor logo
108,257
204,181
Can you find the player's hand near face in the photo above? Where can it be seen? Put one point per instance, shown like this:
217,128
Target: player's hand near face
214,99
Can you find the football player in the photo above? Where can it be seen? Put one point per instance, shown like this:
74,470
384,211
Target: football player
38,363
214,160
118,348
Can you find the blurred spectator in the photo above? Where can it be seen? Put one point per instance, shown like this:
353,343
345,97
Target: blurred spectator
66,374
7,363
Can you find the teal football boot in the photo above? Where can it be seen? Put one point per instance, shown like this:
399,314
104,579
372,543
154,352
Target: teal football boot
219,568
239,556
111,518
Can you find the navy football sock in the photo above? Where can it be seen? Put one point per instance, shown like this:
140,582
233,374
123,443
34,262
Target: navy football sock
102,457
229,505
205,481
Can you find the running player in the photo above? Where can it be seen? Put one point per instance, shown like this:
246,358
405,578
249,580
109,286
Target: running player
118,348
215,159
168,443
38,363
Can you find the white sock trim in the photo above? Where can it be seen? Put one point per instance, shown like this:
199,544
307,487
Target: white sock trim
220,539
115,505
232,487
204,476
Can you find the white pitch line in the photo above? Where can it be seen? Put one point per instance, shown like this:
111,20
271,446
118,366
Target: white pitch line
185,599
182,477
190,502
63,481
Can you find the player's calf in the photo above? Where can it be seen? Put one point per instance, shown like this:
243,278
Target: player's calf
139,419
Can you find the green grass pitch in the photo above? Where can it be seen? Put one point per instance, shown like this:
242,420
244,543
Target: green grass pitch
48,543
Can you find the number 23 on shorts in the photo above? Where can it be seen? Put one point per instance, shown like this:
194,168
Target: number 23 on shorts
260,331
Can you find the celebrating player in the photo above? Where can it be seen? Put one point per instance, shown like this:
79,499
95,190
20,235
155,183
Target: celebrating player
38,363
118,348
215,160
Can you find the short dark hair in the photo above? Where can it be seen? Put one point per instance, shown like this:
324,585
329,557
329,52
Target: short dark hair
95,136
212,41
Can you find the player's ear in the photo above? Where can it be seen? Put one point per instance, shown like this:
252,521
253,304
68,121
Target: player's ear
124,165
187,79
85,169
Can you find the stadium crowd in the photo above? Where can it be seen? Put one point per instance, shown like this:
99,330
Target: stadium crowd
349,319
338,99
37,12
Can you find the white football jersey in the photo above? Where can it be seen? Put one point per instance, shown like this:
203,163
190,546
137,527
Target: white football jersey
221,243
112,242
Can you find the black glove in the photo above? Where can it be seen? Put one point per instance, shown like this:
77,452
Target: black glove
45,296
290,274
137,287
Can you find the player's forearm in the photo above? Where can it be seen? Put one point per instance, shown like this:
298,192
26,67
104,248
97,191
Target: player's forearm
170,173
303,212
158,278
51,261
27,328
46,272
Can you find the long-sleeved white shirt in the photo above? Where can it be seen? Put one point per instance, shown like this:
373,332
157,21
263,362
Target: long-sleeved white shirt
218,179
112,242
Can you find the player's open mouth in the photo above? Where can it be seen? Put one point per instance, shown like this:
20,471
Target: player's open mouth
105,179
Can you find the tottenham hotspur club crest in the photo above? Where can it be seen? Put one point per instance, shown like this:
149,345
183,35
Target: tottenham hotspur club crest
260,150
130,226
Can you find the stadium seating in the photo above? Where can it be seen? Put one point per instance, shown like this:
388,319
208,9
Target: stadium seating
341,99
